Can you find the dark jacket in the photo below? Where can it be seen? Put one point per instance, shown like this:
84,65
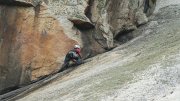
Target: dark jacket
72,56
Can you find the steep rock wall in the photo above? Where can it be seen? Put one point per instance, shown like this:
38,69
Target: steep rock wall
36,34
72,15
114,17
145,69
33,44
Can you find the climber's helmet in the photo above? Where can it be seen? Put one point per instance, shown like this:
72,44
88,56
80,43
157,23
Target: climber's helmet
77,47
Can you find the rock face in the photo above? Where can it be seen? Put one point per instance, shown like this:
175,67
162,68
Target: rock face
114,17
74,10
164,3
36,34
33,44
146,68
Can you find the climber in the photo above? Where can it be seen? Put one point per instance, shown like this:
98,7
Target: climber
74,56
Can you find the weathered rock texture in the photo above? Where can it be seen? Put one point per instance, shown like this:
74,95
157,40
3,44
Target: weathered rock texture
115,17
145,69
72,9
164,3
32,44
36,34
72,15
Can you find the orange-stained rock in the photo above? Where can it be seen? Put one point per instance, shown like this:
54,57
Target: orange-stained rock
33,44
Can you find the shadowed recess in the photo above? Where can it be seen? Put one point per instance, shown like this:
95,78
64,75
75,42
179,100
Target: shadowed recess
82,25
15,3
